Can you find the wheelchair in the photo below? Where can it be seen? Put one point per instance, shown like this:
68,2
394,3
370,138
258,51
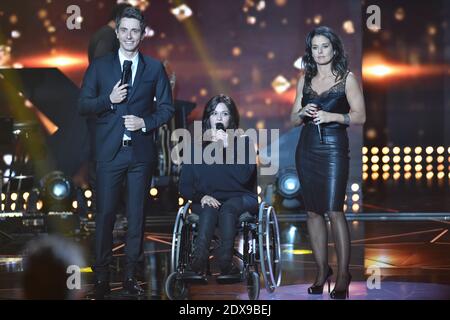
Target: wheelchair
261,252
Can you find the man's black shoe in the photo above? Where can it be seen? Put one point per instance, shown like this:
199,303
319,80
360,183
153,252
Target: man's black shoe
132,287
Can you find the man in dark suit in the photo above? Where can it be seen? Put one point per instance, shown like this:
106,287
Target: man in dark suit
126,118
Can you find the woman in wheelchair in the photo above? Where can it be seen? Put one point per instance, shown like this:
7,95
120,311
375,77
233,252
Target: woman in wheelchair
220,192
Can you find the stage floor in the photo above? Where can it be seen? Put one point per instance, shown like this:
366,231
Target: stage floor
412,258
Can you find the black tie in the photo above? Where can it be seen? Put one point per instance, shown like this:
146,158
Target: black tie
127,78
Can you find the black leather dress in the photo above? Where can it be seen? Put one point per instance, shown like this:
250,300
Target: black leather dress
323,164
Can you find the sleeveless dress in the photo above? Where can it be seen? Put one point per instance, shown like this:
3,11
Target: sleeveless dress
323,164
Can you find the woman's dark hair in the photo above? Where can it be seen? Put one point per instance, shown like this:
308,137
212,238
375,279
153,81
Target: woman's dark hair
134,13
211,106
339,63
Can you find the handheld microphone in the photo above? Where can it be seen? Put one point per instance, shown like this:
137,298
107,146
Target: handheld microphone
220,126
318,125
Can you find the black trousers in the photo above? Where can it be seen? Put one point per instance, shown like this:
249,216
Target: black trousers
226,219
110,177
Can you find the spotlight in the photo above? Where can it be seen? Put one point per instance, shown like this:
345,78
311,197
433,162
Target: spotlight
285,193
56,192
288,184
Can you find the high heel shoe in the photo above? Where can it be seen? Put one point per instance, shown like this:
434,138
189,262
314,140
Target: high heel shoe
318,289
342,294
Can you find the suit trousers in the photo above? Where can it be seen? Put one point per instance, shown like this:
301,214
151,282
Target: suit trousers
110,177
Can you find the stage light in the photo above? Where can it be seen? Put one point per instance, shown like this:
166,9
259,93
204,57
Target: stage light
408,167
181,12
397,167
374,159
365,176
259,199
385,175
440,159
364,150
397,175
374,150
355,187
429,167
440,167
441,175
88,193
7,158
25,196
89,203
74,204
407,150
396,159
365,167
90,216
375,167
430,175
280,84
386,159
24,206
3,207
418,159
13,196
355,207
418,175
448,150
365,159
396,150
355,197
56,192
386,167
385,150
259,189
418,150
13,206
407,159
180,201
429,150
375,176
288,185
153,192
429,159
418,167
345,208
440,150
3,197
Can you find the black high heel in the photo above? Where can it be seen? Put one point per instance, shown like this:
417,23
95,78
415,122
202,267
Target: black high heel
342,294
319,289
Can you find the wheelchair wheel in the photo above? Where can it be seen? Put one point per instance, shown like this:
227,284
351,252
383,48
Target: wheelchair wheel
253,286
269,247
176,288
177,237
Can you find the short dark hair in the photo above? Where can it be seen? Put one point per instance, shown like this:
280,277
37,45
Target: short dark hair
117,10
211,106
134,13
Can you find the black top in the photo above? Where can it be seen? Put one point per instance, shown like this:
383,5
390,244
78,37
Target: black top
221,181
332,100
103,41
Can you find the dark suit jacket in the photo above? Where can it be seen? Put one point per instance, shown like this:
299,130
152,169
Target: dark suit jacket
150,82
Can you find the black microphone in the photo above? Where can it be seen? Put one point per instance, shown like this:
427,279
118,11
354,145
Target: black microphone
318,125
220,126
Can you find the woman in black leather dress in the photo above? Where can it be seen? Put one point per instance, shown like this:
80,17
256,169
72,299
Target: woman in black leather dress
328,100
